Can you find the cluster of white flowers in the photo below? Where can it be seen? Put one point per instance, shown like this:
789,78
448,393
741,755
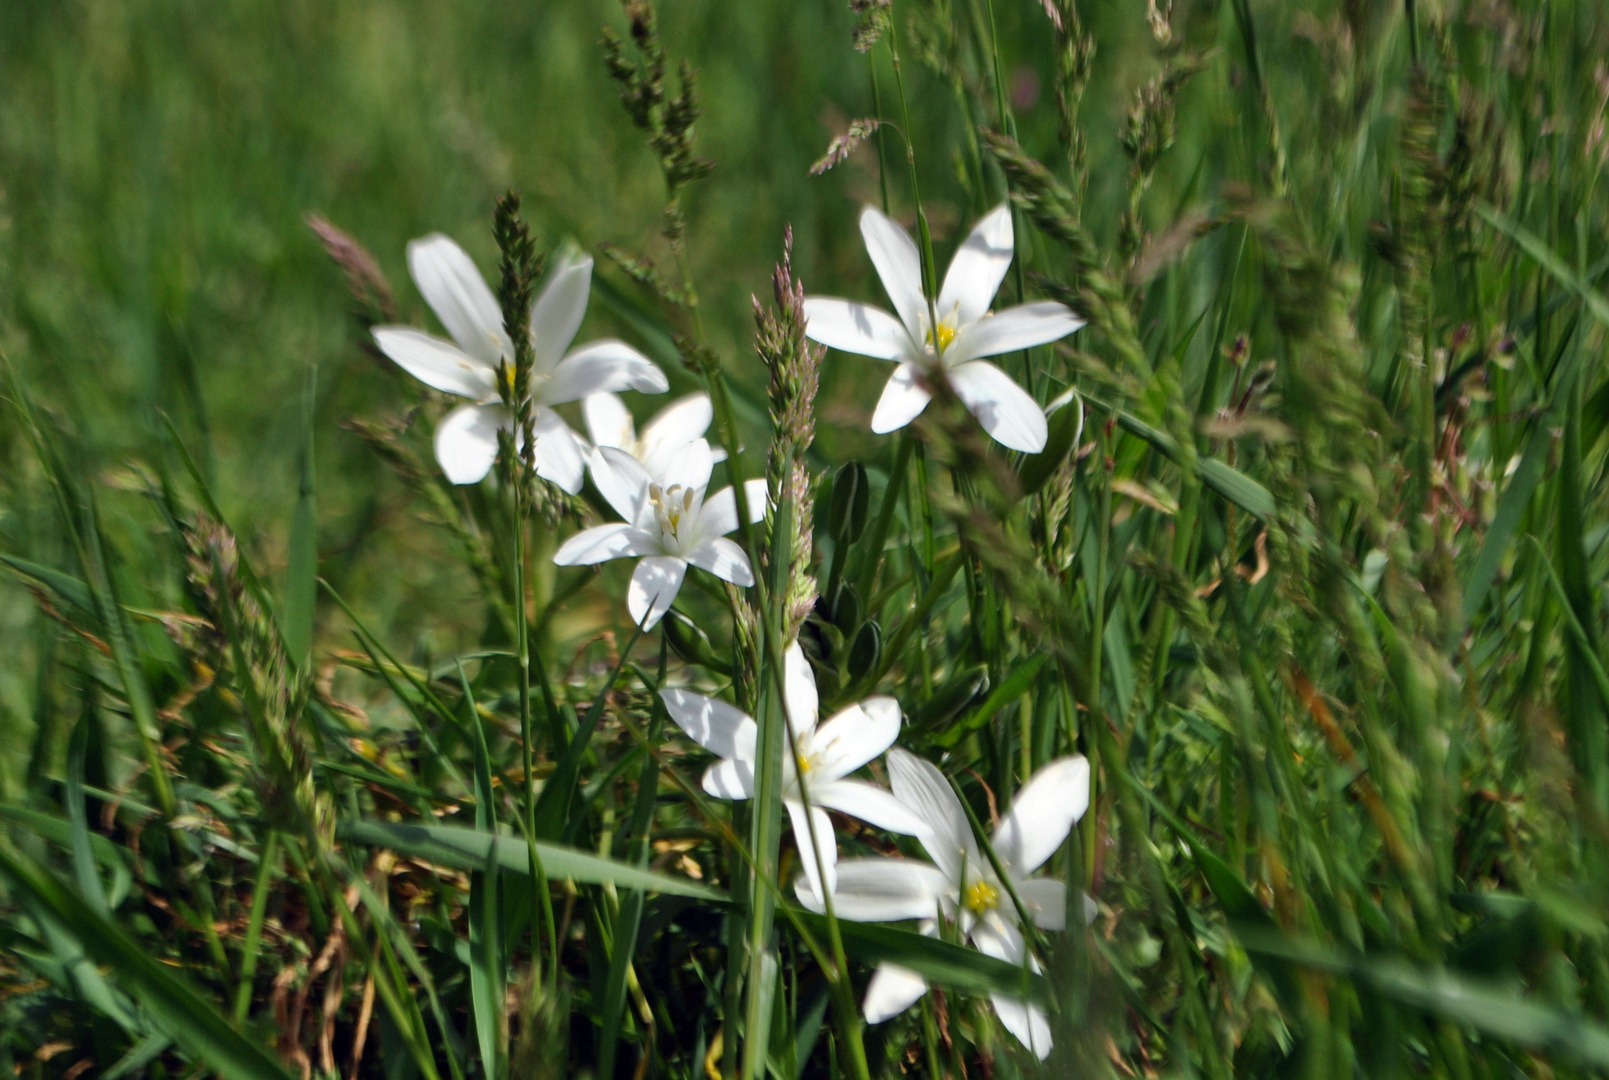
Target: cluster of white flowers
658,481
959,886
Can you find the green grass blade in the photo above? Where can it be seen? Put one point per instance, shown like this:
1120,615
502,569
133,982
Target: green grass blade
941,962
467,849
553,805
65,586
1489,1008
89,882
1547,259
485,935
191,1020
301,580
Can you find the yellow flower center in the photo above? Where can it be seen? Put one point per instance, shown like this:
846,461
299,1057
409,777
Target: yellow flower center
507,371
671,505
942,336
981,896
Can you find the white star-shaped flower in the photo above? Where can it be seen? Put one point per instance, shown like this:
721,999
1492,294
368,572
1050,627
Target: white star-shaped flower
960,886
826,756
663,438
466,439
966,332
669,525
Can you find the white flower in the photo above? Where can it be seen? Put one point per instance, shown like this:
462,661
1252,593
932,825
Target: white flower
663,438
668,523
826,755
966,330
466,439
961,886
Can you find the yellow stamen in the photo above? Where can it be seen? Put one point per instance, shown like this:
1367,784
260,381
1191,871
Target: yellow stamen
671,506
981,896
508,377
943,336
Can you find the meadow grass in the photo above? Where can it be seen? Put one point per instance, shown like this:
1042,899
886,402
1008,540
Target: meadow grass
316,763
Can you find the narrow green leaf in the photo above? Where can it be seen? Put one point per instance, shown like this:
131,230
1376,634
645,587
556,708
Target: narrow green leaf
553,804
1013,687
1492,1009
485,935
301,580
1547,259
187,1017
65,586
115,859
1220,476
937,961
467,850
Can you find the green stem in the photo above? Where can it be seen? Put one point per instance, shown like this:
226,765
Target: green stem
267,859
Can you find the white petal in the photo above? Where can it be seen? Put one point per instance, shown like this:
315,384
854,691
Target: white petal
558,451
1027,1022
557,313
899,265
437,363
826,845
599,366
903,400
720,728
799,691
853,327
1046,901
978,267
1043,813
614,541
870,804
1015,328
724,559
854,736
893,989
881,890
452,286
919,785
622,481
654,585
719,515
690,468
466,442
730,779
1000,939
673,427
608,421
1004,409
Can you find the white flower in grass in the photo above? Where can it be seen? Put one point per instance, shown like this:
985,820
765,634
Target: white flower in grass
669,525
663,439
961,886
966,330
827,754
466,439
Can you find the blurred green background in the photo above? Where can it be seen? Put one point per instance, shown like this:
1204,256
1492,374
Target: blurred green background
157,162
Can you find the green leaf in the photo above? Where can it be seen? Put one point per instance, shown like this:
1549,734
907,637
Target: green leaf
1013,687
1220,476
1492,1009
486,966
301,579
937,961
1547,259
65,586
183,1014
467,850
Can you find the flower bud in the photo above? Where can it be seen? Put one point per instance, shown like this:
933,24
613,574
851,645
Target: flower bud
850,503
